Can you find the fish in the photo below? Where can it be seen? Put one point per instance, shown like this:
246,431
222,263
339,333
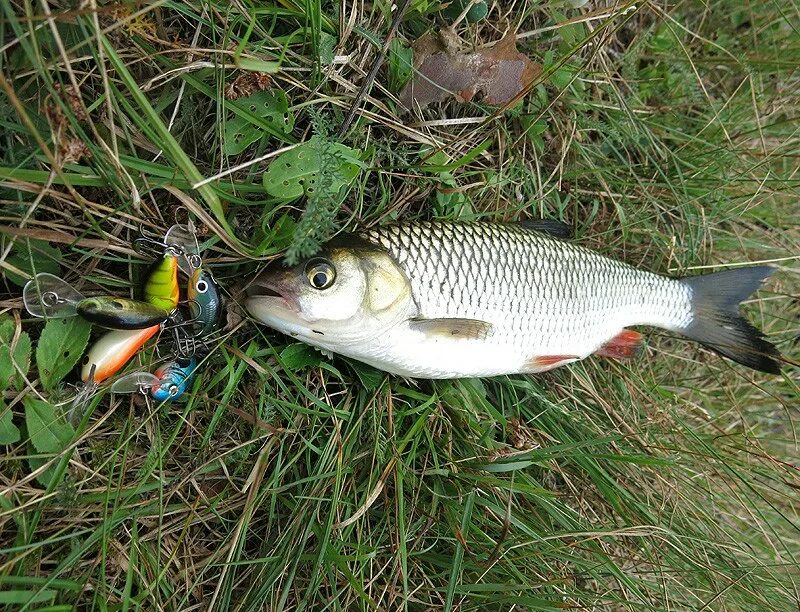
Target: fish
445,300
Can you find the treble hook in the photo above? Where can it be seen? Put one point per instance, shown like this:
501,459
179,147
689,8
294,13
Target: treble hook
145,245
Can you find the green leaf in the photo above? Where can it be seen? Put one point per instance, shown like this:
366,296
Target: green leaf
477,11
9,433
14,364
296,172
45,477
278,233
371,378
271,106
26,597
257,65
327,48
6,329
60,347
49,432
401,61
299,357
32,257
239,134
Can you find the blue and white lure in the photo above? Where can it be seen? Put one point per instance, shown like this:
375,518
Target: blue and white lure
167,383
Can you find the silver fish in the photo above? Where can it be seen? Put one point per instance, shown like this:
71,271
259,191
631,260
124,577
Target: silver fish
451,300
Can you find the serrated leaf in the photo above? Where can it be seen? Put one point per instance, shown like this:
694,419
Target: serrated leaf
299,357
6,329
296,172
48,431
32,257
9,433
45,477
327,47
14,364
60,347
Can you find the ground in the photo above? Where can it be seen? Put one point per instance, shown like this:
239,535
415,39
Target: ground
665,134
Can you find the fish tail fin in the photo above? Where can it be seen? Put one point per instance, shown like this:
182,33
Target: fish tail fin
717,323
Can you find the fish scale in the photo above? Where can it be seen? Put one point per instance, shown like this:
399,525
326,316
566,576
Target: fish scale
540,293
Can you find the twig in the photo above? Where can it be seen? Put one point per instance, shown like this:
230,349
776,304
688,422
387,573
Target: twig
373,72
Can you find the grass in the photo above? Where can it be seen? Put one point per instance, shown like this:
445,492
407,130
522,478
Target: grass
666,134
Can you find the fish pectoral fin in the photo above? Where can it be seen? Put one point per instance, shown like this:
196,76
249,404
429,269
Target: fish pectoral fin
557,229
627,344
453,328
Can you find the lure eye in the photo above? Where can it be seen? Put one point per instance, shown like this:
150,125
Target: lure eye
201,286
173,390
320,273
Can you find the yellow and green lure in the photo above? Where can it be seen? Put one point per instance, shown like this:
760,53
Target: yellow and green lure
161,288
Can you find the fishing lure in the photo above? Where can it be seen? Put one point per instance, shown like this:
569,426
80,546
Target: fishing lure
168,382
179,250
161,287
175,377
112,351
51,296
205,301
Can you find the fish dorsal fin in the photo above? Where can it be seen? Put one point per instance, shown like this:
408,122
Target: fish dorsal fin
557,229
453,328
627,344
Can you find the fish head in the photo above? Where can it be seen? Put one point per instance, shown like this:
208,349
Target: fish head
341,296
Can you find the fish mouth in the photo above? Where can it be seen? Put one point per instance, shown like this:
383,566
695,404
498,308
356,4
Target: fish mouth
270,296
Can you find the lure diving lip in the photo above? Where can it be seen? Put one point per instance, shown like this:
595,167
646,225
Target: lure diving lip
47,295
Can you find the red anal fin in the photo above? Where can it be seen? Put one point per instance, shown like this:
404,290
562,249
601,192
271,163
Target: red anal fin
625,345
547,362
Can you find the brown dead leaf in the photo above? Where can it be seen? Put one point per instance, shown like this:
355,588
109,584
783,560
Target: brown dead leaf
247,84
500,72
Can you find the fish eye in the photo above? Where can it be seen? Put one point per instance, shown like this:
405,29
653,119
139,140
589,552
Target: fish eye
201,286
320,273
